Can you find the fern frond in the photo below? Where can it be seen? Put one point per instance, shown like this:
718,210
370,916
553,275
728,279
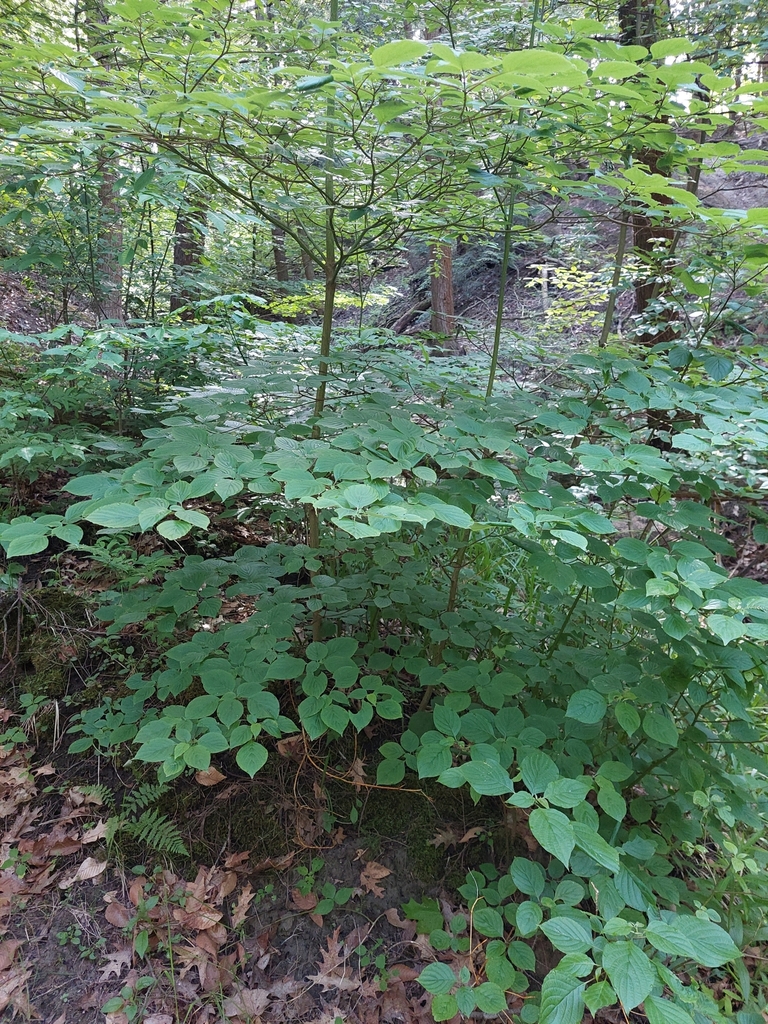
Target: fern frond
140,798
139,820
157,832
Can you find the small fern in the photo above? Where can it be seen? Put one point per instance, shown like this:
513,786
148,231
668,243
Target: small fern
140,821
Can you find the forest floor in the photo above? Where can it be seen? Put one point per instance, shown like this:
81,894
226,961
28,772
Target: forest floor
306,895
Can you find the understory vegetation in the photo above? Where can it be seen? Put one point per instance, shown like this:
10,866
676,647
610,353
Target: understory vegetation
378,574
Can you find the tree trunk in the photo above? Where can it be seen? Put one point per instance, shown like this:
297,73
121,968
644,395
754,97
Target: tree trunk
108,297
653,239
188,250
282,272
441,287
110,246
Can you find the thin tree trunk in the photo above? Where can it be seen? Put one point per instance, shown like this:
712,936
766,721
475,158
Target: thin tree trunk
282,271
188,250
441,288
653,240
110,246
108,297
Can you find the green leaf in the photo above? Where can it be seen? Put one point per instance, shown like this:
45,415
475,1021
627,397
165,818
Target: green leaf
528,876
568,934
528,918
394,54
197,756
432,760
360,495
562,999
490,998
201,707
487,778
193,517
554,832
627,716
446,720
660,728
335,717
489,922
28,545
444,1007
567,792
598,996
662,1011
703,941
390,772
69,534
450,514
726,627
117,516
587,706
536,62
285,666
230,710
522,956
595,846
670,48
717,366
437,978
313,82
173,529
252,757
631,972
611,801
538,770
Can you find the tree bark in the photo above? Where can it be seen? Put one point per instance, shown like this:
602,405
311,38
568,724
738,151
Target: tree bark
441,288
110,246
282,271
653,239
108,297
188,250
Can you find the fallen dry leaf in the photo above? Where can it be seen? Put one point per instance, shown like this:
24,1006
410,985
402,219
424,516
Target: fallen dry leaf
474,833
357,773
237,861
118,1017
291,747
246,1002
13,990
117,914
303,901
275,863
371,875
209,777
196,914
98,831
8,951
444,837
408,927
225,883
333,972
89,869
115,963
159,1018
240,909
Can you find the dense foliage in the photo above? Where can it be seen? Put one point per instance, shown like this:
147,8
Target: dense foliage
504,575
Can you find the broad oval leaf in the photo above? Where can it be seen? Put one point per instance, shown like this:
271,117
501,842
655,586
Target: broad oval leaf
630,971
437,978
562,999
554,832
587,706
252,757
